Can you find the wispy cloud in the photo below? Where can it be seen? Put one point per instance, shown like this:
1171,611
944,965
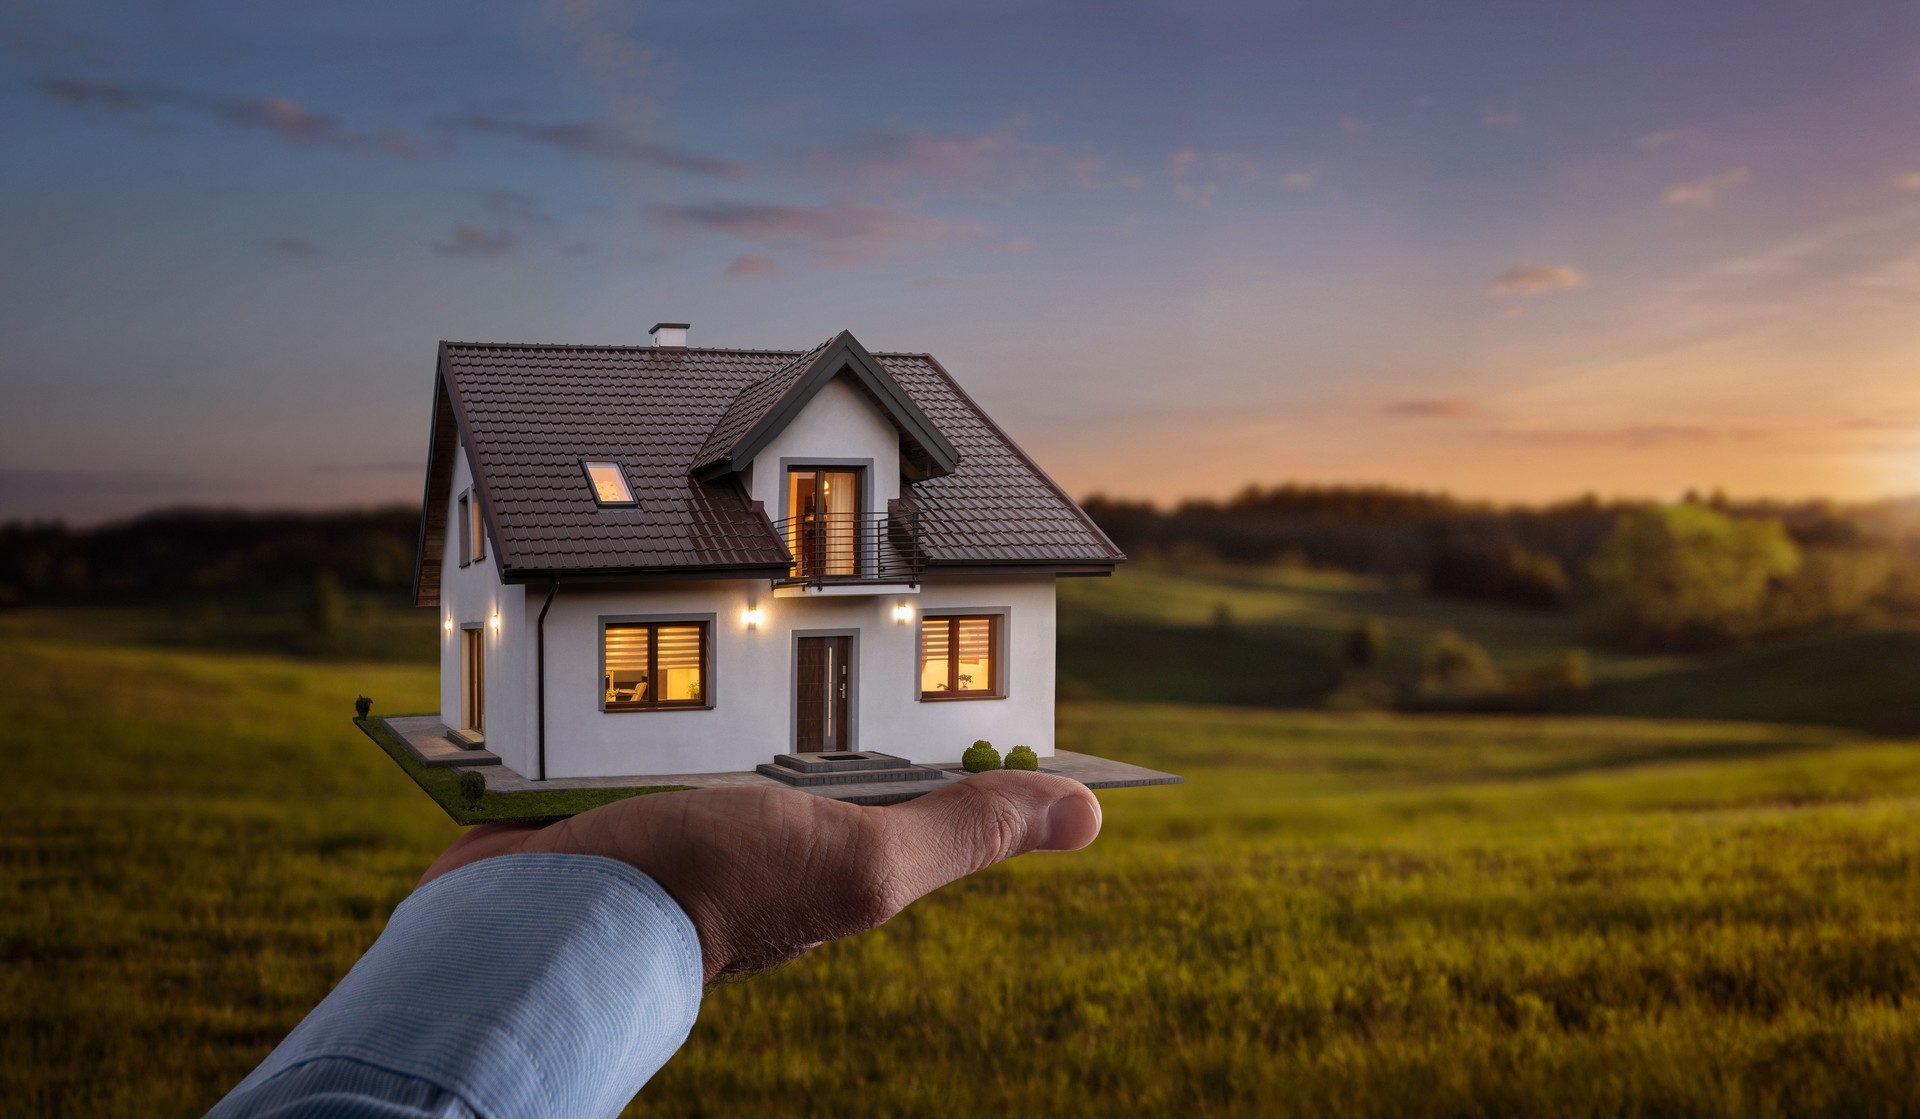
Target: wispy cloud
1631,435
1908,181
1502,120
1301,180
599,140
292,246
290,121
839,233
747,267
1655,140
1537,279
471,240
979,163
1429,408
513,206
1197,174
1705,192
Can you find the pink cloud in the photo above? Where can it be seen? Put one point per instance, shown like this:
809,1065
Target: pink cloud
843,232
747,267
1429,408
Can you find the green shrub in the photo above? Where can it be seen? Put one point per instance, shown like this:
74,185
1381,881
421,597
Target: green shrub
1023,757
473,786
980,757
361,706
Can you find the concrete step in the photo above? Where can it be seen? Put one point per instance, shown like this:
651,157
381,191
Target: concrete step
848,777
845,761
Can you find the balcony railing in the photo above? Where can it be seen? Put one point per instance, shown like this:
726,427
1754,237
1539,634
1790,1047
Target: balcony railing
853,548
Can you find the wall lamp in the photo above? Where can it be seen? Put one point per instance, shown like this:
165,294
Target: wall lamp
754,617
495,621
903,613
448,624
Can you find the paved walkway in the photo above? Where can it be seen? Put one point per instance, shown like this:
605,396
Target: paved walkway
425,736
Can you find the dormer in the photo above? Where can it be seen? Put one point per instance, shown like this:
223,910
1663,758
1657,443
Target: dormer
825,445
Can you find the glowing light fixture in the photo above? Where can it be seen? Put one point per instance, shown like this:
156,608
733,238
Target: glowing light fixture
903,613
754,616
495,620
448,624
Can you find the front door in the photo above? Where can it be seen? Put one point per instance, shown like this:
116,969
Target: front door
824,681
473,678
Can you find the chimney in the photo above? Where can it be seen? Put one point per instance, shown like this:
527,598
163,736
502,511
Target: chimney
669,334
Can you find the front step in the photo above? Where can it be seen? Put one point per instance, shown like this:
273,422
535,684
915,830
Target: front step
839,761
813,770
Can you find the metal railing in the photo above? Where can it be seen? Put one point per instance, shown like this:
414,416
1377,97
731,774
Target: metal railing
853,547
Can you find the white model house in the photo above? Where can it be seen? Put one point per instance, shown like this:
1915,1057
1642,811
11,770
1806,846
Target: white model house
665,560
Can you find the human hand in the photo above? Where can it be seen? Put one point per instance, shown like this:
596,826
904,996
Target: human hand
767,873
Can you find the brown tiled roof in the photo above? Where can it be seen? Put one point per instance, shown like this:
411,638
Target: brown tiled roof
752,402
531,413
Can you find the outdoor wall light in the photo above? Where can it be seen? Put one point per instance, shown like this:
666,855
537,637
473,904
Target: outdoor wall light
903,613
754,617
448,624
495,620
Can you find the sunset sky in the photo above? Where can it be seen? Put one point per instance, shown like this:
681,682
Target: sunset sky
1512,250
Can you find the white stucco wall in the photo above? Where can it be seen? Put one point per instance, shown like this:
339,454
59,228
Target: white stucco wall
472,595
753,688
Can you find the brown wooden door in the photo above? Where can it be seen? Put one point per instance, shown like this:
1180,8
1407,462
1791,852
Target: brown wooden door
473,679
824,683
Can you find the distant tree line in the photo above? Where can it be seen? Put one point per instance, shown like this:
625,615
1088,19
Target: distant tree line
1699,573
187,554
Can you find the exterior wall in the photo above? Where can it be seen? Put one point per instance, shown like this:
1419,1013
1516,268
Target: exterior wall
752,684
473,595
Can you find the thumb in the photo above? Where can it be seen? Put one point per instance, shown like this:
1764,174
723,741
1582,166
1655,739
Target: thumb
972,824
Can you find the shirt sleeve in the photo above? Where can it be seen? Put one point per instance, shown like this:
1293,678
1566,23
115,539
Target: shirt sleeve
521,985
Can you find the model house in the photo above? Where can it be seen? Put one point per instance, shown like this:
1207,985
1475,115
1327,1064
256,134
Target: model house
668,559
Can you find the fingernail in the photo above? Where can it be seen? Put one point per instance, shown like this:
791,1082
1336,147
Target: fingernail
1072,822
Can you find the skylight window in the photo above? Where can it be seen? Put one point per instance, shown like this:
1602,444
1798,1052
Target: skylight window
609,482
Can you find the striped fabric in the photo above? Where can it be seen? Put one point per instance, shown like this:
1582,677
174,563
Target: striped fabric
524,985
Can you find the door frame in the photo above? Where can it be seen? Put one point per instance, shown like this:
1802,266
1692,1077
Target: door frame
860,466
473,635
852,634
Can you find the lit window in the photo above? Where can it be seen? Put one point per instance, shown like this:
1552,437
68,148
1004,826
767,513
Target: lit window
959,657
651,665
609,482
460,529
477,529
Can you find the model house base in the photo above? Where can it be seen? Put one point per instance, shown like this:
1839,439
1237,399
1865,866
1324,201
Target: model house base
864,777
824,569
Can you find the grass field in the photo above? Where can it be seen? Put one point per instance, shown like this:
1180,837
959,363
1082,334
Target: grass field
1336,915
1271,637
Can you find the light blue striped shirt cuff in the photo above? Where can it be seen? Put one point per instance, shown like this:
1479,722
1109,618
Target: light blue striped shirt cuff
522,985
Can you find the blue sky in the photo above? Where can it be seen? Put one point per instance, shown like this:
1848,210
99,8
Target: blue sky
1518,251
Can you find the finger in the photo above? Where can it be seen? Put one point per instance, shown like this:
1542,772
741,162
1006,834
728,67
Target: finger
482,841
972,824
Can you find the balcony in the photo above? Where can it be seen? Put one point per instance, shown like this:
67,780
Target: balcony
852,553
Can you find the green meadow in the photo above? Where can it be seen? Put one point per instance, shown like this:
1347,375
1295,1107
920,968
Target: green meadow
1337,914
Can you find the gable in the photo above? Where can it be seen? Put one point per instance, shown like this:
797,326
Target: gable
763,410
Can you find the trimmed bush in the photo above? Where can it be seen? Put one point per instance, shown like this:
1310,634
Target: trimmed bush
361,706
1023,757
473,786
980,757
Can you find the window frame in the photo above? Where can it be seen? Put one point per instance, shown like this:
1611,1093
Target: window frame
653,622
633,496
477,525
464,515
996,620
